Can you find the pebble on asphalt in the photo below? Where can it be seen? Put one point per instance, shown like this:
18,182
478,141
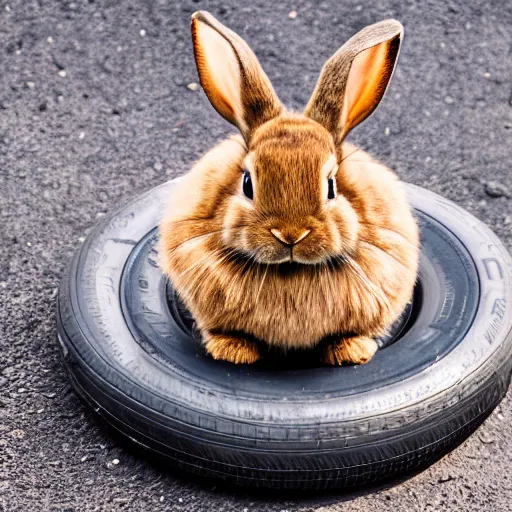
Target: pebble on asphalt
496,189
486,438
445,478
17,433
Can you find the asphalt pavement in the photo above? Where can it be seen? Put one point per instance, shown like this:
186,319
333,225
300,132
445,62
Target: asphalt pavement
97,104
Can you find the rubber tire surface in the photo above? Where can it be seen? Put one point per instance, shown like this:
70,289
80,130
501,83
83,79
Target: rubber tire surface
270,438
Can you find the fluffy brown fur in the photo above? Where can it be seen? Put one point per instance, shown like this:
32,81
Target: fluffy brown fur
290,267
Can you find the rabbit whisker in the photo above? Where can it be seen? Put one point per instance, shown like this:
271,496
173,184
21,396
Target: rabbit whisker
199,263
367,162
350,154
205,263
379,249
327,275
383,228
192,219
262,281
172,249
327,297
363,279
192,238
377,292
247,267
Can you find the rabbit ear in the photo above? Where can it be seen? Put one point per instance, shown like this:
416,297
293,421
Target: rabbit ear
231,75
354,80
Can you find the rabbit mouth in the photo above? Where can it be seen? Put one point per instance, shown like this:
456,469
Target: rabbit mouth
292,261
294,255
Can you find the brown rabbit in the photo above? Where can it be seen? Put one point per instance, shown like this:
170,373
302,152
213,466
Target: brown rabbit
288,235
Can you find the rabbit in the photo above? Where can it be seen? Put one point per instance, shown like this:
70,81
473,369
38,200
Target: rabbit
286,235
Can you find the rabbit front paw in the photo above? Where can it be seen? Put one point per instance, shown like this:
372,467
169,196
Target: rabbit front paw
233,349
356,350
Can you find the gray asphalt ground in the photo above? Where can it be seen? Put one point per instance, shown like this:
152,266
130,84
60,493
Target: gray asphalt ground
95,108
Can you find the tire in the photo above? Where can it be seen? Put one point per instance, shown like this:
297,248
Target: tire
133,355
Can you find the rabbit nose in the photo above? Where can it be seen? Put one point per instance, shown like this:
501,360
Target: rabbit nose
290,239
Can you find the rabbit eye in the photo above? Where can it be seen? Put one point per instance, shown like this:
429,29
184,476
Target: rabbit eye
247,185
331,189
